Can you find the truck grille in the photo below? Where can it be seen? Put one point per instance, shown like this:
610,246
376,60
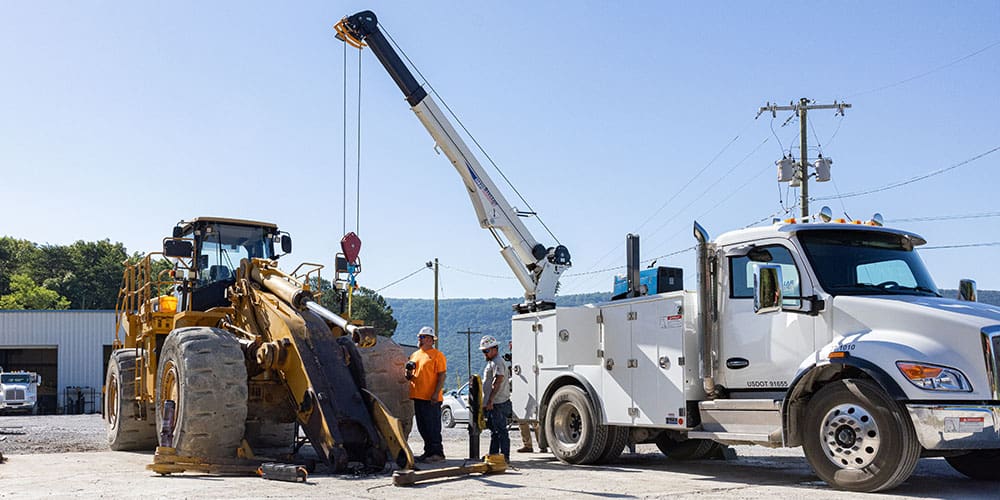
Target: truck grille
14,394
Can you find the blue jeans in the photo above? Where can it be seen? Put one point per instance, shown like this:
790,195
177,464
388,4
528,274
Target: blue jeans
428,415
496,420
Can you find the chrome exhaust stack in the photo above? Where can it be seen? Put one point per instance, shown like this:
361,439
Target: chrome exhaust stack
707,309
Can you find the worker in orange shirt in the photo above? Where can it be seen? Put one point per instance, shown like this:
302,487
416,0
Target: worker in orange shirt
426,372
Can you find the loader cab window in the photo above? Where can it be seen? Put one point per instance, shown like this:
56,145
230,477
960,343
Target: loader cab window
741,273
221,247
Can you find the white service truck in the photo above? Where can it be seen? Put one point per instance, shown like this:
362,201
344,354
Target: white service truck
826,335
19,391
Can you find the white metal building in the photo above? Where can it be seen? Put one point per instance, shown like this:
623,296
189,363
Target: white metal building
68,349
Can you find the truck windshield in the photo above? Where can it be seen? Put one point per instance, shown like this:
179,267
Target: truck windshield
866,263
224,245
15,378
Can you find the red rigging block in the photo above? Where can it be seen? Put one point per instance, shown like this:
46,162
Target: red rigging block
350,244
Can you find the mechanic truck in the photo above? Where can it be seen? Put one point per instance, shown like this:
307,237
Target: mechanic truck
824,334
19,391
219,356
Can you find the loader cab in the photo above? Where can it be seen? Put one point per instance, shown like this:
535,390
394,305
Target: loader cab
219,246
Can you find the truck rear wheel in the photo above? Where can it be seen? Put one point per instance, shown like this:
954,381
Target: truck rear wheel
979,464
202,371
125,433
687,449
571,427
615,445
858,439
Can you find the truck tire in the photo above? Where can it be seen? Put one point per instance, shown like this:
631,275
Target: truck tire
687,449
202,371
978,464
571,427
385,376
856,438
613,448
125,433
447,418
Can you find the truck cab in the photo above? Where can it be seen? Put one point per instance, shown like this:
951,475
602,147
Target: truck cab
19,392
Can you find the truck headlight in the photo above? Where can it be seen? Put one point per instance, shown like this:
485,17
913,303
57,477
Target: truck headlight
933,377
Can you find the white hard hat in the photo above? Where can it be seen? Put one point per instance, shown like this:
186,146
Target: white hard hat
428,331
487,342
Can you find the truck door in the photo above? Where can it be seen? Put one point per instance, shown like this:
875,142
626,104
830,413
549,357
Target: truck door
763,352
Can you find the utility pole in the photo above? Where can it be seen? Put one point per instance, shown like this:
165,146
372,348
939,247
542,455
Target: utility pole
437,333
802,108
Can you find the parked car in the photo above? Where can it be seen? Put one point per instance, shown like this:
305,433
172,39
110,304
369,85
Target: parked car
455,407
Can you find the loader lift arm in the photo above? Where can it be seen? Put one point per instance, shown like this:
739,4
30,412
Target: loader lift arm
536,267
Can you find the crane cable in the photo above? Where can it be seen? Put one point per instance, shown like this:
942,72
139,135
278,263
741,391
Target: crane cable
357,185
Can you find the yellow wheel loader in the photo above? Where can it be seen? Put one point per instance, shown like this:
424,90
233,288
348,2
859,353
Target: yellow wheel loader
223,353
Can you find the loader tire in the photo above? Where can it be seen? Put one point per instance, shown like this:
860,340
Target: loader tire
202,370
617,439
688,449
125,432
385,377
270,435
572,429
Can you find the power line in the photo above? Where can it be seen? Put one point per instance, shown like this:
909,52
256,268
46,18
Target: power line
408,276
934,70
964,245
908,181
930,218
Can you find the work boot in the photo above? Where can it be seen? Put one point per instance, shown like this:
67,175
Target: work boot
434,458
543,450
525,449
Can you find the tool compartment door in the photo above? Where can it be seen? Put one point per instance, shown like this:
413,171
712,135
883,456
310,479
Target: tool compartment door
524,366
616,376
657,346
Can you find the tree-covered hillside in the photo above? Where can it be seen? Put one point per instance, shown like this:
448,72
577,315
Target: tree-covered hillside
488,316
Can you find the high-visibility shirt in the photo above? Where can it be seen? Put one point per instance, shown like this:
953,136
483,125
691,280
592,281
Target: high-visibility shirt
429,363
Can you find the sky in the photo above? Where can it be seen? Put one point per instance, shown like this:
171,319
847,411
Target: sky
118,119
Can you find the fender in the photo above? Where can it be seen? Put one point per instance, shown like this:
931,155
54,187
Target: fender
570,378
810,378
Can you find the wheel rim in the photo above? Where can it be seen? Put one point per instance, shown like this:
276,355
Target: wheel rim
171,392
112,406
446,416
567,424
850,436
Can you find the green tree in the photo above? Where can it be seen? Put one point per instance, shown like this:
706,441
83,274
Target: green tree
26,294
16,257
366,305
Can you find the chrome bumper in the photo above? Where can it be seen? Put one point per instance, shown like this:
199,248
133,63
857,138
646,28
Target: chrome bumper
956,427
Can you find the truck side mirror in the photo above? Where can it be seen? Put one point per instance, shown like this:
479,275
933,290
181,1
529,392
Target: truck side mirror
286,243
178,248
766,288
967,290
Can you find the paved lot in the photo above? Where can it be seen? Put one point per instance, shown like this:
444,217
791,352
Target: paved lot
756,473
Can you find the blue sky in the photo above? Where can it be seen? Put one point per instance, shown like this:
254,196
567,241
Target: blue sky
118,119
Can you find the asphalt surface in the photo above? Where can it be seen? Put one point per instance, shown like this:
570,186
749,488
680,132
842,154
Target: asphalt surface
41,461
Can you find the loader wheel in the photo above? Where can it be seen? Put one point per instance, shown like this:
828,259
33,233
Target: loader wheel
979,464
202,371
125,433
687,449
572,429
857,438
617,439
386,379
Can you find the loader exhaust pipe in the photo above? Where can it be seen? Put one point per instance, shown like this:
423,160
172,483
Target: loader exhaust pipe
708,311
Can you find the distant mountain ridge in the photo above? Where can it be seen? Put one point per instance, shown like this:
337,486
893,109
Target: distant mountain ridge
492,317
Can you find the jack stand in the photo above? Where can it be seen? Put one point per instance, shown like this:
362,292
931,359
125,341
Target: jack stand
493,464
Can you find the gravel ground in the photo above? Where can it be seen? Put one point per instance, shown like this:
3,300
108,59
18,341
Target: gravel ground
66,456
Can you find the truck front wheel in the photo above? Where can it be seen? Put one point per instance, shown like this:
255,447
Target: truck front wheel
979,464
858,439
572,429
